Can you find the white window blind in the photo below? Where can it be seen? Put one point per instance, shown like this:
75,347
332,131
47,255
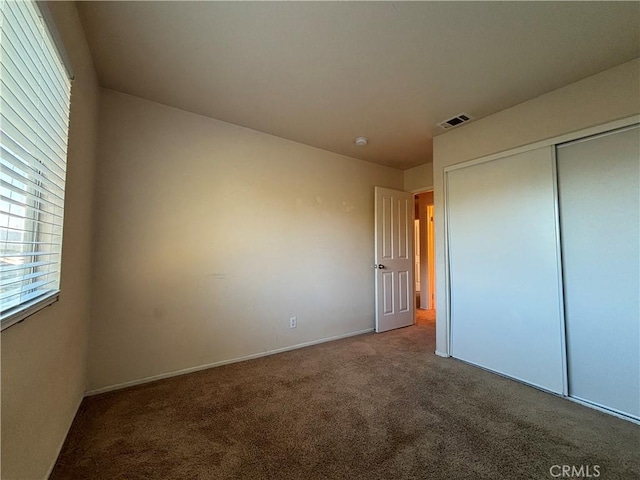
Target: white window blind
35,92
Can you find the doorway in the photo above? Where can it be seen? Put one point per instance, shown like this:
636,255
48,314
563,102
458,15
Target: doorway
425,256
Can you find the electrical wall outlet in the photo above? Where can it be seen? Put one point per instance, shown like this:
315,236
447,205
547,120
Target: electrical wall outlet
293,322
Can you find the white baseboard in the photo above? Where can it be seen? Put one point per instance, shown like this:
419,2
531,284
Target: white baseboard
222,362
59,449
441,354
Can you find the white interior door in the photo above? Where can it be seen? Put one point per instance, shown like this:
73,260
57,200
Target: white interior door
505,295
394,259
599,193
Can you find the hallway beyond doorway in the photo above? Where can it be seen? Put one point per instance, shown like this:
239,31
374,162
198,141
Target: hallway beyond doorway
425,317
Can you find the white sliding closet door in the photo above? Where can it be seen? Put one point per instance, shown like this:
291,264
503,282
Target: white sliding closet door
504,270
598,182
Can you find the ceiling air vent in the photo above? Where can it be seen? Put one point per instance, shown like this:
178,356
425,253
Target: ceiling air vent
455,121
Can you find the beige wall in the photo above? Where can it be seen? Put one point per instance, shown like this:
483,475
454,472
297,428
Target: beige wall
211,236
611,95
418,179
44,357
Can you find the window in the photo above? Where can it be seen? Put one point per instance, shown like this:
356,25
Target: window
35,92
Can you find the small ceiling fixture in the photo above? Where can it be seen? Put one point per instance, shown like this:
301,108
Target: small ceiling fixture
361,141
455,121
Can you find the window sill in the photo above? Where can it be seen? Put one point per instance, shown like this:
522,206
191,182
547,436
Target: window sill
23,311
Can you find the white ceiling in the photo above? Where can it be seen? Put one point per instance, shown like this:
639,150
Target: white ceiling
322,73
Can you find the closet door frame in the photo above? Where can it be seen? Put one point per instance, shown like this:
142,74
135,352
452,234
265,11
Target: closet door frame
551,143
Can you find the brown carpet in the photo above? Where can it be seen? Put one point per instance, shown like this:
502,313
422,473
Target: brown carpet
377,406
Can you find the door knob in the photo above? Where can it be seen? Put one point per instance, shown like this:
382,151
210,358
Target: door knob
380,266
